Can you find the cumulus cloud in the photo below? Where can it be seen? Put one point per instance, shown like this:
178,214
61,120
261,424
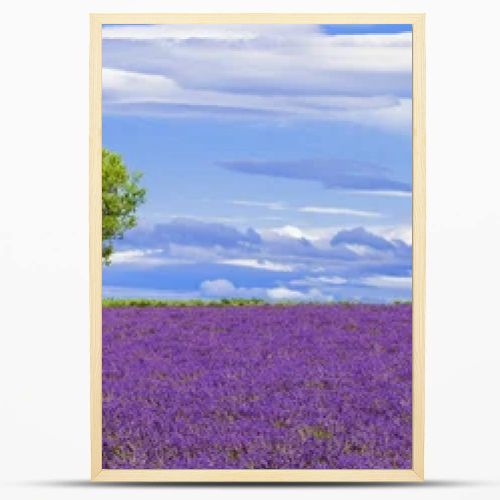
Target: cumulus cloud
218,288
369,245
283,293
289,231
282,249
292,71
277,259
399,232
223,288
193,232
361,237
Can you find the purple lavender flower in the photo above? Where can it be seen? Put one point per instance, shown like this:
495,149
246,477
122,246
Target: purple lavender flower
292,387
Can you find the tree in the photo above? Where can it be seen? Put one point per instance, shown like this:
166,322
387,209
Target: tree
121,195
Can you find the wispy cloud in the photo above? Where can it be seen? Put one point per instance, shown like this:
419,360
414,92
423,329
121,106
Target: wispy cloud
144,257
333,173
258,264
339,211
180,32
319,281
388,281
276,205
247,71
271,205
397,194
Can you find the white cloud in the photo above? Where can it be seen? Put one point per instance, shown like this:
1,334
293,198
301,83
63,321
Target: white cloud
224,288
281,71
271,205
397,194
218,288
284,294
339,211
309,267
361,250
274,44
258,264
396,117
145,257
388,281
127,91
282,249
202,31
288,231
319,281
401,232
319,235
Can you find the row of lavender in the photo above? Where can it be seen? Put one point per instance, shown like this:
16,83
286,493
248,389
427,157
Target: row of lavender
296,387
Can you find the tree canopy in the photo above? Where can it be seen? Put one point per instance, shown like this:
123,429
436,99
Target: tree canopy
121,195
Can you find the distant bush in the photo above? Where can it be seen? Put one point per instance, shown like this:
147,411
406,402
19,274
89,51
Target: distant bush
181,303
224,302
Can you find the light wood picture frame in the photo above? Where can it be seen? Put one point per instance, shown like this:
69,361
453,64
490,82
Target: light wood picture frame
416,473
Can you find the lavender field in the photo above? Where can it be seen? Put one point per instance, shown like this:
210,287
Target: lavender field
266,386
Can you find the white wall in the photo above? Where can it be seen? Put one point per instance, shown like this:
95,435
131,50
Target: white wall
44,449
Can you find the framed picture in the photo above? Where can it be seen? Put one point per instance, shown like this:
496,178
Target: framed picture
257,247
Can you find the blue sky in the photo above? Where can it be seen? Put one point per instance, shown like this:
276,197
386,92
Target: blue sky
277,160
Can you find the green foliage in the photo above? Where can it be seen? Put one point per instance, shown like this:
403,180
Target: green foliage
180,303
121,195
224,302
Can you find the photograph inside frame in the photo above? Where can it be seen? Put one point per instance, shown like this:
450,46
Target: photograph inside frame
257,246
